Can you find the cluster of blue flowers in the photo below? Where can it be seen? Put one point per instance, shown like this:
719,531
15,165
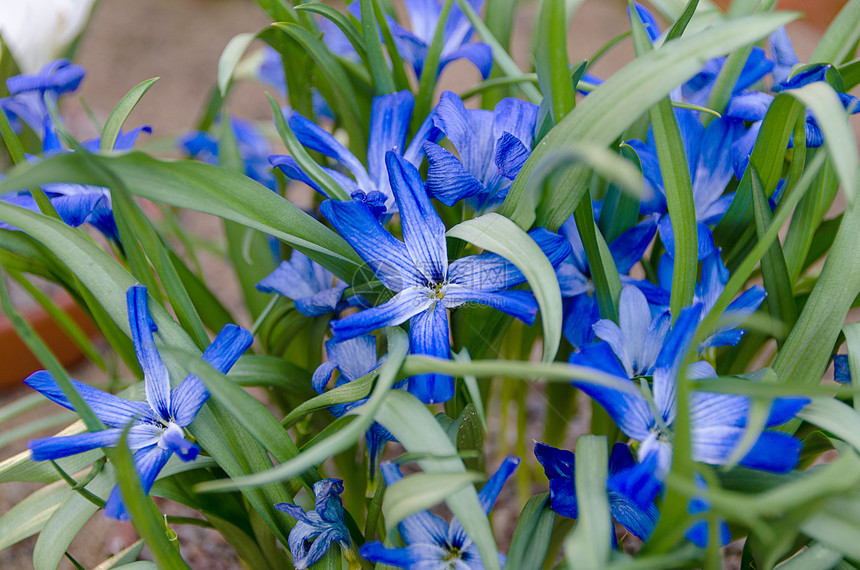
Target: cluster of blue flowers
391,221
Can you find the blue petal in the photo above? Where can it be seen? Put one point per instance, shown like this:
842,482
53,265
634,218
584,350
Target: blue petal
756,67
742,149
783,54
156,379
559,466
447,180
774,451
749,106
389,121
395,311
59,76
321,303
785,409
648,20
599,356
114,411
515,117
511,154
519,304
425,554
428,335
412,48
173,440
491,489
480,54
386,256
315,138
628,409
580,314
708,409
653,195
292,279
714,167
423,230
222,354
148,462
641,522
64,446
355,357
841,369
470,131
630,246
424,17
322,375
669,361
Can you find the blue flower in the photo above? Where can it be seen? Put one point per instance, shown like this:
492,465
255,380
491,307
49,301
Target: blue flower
313,288
635,511
714,276
389,123
699,532
709,158
574,277
841,369
417,270
353,359
77,204
717,421
424,16
316,530
157,425
635,341
253,147
430,543
28,92
492,146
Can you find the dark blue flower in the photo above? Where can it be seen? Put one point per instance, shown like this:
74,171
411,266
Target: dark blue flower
492,147
574,277
316,530
313,288
157,425
254,150
631,488
353,359
841,369
77,204
717,421
424,16
712,282
417,270
389,123
709,158
28,92
430,543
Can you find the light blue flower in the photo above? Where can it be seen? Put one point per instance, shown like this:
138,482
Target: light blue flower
389,123
157,425
417,270
717,421
254,150
353,359
492,147
313,288
635,511
424,16
77,204
316,530
430,543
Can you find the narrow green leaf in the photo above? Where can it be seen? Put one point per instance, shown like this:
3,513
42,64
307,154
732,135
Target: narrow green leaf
780,300
21,467
419,432
532,534
422,491
815,557
430,71
31,514
230,58
345,393
120,113
340,20
852,339
495,233
590,544
397,67
602,118
123,558
680,25
841,37
604,274
837,525
144,514
42,423
11,140
382,77
551,58
834,416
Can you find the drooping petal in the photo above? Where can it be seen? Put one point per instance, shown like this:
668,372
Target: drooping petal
511,154
417,555
321,303
148,462
288,280
599,356
519,304
355,357
389,121
64,446
480,54
670,359
395,311
112,410
187,399
386,256
559,466
580,314
447,179
628,409
491,489
292,170
155,376
641,522
322,375
315,138
428,335
423,230
785,409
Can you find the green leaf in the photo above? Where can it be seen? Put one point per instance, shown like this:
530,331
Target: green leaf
430,71
204,188
680,25
31,515
604,274
66,523
142,510
122,558
551,59
345,393
382,77
337,442
422,491
340,20
590,543
603,116
837,525
230,58
120,113
532,534
495,233
418,431
815,557
21,467
834,416
841,37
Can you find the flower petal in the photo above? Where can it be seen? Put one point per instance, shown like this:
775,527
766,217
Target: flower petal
428,335
322,302
628,409
427,555
395,311
64,446
447,180
628,248
669,361
389,121
581,312
355,357
559,466
480,54
774,451
315,138
511,154
149,462
519,304
292,170
155,376
112,410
